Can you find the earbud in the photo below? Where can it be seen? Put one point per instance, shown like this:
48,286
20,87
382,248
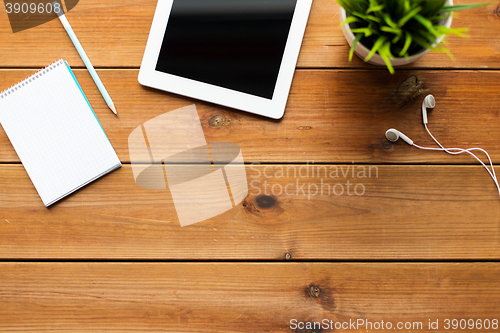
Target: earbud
428,103
393,135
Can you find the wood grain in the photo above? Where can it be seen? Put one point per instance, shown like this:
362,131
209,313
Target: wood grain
337,114
407,212
238,297
114,34
332,116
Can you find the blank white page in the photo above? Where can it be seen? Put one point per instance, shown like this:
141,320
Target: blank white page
56,133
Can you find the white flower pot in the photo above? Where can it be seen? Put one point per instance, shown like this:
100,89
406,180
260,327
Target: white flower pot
361,51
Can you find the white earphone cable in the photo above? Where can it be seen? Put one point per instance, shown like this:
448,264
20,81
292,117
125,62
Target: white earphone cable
492,173
456,151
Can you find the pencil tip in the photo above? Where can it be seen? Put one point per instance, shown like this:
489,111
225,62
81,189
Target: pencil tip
112,107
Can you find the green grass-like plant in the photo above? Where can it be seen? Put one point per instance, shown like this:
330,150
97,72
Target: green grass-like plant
395,28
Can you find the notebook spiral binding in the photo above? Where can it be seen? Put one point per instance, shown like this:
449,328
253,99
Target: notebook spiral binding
29,79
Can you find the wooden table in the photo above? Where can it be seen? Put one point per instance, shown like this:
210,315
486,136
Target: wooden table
422,242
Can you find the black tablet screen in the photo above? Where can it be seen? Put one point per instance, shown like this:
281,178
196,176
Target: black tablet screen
234,44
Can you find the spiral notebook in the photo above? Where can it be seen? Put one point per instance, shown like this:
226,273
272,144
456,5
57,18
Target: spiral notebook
55,132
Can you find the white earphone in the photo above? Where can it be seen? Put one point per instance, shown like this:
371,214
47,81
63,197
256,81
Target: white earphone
429,102
393,135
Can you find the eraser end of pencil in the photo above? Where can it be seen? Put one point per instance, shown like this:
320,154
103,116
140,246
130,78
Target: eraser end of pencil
59,12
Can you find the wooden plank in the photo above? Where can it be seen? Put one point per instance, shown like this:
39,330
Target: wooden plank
407,212
114,34
332,116
239,297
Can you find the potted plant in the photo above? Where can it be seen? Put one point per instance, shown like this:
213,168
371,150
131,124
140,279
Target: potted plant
397,32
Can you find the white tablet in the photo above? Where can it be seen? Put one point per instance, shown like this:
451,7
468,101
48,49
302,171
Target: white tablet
237,53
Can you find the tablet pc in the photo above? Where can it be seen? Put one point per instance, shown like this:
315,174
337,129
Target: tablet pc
237,53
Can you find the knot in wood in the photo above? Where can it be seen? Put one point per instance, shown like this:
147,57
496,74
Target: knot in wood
386,144
314,291
408,90
217,121
265,201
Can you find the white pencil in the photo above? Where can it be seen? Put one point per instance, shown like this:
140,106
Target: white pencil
83,55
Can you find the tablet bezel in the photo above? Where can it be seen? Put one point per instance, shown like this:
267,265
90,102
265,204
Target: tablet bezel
273,108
